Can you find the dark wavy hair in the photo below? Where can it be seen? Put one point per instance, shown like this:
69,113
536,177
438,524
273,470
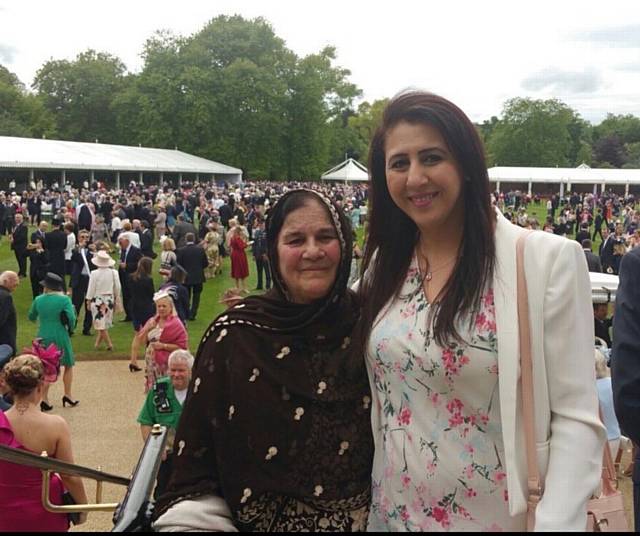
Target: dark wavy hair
393,235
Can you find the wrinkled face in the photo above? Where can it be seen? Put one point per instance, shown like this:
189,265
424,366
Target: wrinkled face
180,375
164,307
423,178
308,253
12,283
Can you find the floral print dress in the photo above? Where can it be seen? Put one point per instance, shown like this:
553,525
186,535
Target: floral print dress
439,456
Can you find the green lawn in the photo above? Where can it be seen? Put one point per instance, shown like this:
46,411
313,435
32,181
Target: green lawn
122,332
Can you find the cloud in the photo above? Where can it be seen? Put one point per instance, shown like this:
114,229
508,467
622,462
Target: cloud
7,53
616,36
562,81
631,67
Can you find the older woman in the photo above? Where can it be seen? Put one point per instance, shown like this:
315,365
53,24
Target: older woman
103,296
275,433
49,308
25,427
440,326
162,334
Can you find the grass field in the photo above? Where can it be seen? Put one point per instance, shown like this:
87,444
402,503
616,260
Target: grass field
122,332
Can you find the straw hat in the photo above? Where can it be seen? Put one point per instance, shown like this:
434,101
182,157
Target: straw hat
102,260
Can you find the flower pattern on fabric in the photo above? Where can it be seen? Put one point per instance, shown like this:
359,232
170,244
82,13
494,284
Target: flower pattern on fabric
438,464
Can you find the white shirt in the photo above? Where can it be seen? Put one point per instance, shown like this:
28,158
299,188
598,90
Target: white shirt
116,224
71,243
181,395
134,238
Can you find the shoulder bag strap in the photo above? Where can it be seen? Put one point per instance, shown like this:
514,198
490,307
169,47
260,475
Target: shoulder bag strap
534,482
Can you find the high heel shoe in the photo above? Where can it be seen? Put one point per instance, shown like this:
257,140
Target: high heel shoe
45,407
66,400
134,368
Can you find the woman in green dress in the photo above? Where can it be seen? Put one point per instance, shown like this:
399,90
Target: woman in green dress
48,308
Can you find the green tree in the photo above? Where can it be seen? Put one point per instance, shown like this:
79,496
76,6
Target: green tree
610,149
79,93
625,127
22,114
536,133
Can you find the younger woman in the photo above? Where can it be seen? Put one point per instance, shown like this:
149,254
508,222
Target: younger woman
440,326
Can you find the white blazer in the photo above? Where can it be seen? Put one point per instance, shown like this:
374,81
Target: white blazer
569,435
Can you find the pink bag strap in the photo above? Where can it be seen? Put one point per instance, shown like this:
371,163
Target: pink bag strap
609,478
534,482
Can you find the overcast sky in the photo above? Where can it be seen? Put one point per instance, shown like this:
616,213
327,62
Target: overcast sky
478,54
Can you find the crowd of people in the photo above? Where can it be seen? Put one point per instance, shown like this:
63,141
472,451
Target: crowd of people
381,396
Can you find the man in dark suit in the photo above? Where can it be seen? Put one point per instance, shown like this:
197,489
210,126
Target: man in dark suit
583,233
625,359
85,217
40,232
146,240
129,257
19,243
606,251
9,281
180,231
194,260
55,244
81,267
593,261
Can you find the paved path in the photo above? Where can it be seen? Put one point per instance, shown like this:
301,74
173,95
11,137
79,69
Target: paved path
104,431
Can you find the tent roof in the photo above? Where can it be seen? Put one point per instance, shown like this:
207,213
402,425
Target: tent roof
349,170
33,153
580,175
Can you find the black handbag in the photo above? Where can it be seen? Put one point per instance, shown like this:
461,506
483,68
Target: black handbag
68,500
64,320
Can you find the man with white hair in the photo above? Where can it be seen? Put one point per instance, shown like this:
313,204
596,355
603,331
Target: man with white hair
9,281
164,406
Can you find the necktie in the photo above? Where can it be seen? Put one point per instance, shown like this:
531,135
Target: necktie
123,255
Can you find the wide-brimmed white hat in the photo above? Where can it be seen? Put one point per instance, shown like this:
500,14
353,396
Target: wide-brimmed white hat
102,260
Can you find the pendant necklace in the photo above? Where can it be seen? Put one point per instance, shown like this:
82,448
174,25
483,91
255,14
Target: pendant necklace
430,273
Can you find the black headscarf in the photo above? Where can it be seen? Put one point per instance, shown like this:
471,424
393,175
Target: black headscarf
279,404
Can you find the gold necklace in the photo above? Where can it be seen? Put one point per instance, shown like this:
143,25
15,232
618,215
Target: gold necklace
429,274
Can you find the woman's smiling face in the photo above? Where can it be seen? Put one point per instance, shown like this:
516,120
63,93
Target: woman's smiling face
423,177
308,253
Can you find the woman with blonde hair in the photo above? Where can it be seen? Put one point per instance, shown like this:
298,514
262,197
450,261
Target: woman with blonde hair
212,247
162,334
168,258
25,427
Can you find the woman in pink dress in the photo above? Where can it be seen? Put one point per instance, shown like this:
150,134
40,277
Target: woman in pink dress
239,264
25,427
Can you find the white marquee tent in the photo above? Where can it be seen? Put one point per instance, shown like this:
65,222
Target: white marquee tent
66,156
565,178
348,171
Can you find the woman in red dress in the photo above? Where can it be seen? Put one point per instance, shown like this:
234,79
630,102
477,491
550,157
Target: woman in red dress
237,242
